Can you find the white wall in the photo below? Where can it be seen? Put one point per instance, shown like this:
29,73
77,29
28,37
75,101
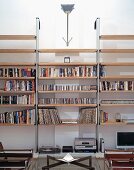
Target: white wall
18,17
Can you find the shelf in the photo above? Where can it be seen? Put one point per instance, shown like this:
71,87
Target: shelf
64,78
69,91
68,124
113,123
117,91
16,105
17,37
117,64
116,105
117,51
66,105
118,77
67,50
17,64
11,124
16,92
68,64
17,51
117,37
17,78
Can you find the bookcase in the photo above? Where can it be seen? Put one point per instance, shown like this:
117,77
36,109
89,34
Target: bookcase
116,84
67,96
59,100
18,105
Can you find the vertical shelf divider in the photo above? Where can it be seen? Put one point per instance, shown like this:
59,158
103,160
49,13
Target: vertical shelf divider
97,27
36,82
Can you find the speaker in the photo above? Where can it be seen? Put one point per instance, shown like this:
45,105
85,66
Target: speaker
102,145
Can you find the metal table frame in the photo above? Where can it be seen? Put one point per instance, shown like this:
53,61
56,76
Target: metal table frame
75,162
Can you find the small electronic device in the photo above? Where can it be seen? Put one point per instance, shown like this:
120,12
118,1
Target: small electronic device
125,140
85,145
67,149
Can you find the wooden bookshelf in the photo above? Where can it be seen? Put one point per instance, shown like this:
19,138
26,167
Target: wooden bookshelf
67,50
117,37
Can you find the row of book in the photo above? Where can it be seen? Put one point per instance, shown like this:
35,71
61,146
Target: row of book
17,99
19,85
79,71
103,116
67,101
55,87
117,85
87,116
49,116
117,101
18,117
17,72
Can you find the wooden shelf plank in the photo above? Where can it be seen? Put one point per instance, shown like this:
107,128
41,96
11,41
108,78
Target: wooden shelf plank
117,91
116,105
16,64
65,78
16,105
16,92
11,124
118,77
66,105
68,124
17,37
68,64
113,123
17,78
117,64
117,37
117,51
68,91
67,50
17,51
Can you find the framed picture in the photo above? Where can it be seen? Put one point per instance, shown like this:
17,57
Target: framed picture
66,59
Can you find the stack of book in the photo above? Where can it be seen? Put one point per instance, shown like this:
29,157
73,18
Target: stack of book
49,116
87,116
